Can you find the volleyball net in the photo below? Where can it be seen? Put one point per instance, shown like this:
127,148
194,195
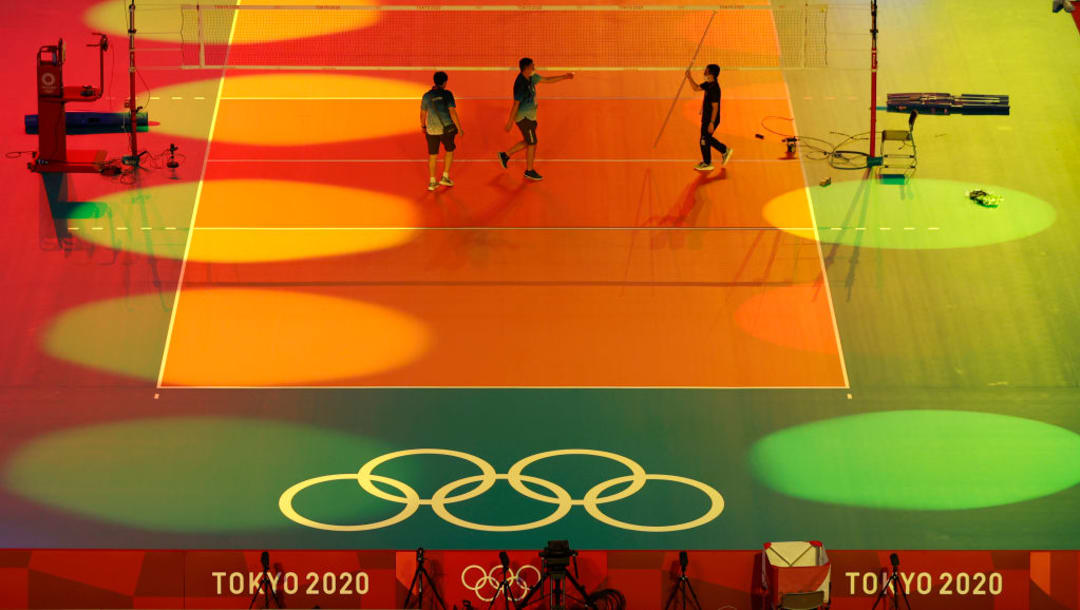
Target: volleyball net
355,37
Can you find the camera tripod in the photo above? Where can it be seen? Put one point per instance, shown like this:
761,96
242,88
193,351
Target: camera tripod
897,588
418,584
682,587
504,585
557,594
266,586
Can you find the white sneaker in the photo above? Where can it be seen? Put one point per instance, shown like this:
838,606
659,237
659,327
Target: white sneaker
446,181
727,155
431,186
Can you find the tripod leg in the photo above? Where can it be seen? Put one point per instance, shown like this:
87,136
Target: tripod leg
504,590
882,594
581,591
693,595
532,590
412,585
898,592
256,596
671,596
904,595
434,589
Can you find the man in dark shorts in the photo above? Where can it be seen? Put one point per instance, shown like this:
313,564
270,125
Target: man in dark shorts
524,114
710,118
439,120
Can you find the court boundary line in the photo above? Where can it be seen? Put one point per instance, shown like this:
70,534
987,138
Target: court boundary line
502,387
482,98
324,68
193,228
492,160
494,8
195,212
496,228
817,236
298,68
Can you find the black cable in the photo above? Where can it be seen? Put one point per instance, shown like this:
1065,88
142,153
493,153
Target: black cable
146,106
837,157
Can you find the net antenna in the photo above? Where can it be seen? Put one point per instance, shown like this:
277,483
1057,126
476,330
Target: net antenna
682,81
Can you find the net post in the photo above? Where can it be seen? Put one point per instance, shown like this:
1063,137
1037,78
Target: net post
873,77
133,108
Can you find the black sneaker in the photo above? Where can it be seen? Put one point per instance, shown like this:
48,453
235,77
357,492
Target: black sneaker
532,175
504,159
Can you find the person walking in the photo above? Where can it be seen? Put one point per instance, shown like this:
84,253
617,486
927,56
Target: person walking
523,112
440,122
710,118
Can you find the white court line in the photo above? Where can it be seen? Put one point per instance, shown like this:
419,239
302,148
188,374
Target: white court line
492,160
505,387
495,228
483,98
484,228
498,8
299,68
817,236
195,211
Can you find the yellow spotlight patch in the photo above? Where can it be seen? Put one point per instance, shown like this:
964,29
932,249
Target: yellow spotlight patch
249,221
261,337
289,108
162,22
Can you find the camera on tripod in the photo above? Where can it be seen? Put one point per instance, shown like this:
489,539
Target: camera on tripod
556,557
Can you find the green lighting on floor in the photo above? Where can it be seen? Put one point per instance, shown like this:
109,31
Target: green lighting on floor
152,221
921,214
919,460
213,474
123,336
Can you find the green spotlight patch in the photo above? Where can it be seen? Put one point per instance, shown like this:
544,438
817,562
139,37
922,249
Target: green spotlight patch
919,460
194,474
152,221
123,336
921,214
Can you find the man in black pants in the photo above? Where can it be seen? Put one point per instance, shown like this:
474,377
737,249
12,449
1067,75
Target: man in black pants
710,118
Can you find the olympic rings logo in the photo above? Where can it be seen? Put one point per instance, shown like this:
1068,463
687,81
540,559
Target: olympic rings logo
558,496
488,580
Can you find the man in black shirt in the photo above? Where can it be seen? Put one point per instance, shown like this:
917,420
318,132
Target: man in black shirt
710,118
